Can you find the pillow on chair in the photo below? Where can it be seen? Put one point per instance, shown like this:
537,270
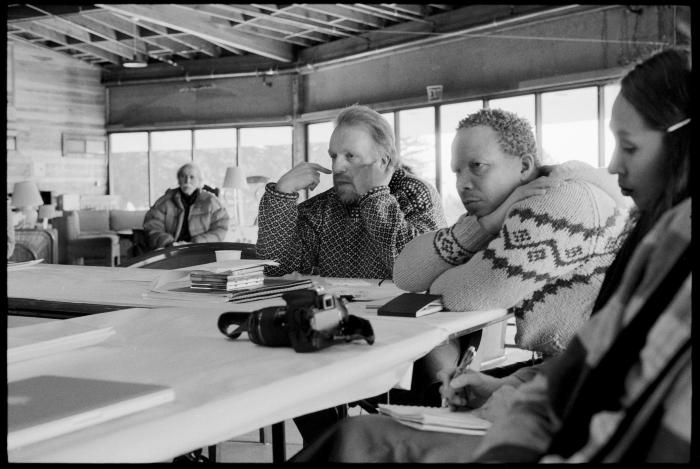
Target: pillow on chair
95,221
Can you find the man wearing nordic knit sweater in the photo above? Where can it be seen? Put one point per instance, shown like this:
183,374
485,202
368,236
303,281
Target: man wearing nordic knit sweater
356,228
538,246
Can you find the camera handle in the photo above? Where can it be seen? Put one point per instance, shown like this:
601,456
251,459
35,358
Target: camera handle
240,320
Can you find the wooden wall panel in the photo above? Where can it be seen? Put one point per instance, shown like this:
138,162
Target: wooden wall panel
53,94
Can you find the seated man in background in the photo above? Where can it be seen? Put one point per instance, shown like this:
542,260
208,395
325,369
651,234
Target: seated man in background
538,246
356,228
186,214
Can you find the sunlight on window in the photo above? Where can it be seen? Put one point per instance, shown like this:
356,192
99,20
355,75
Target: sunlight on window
266,152
570,126
523,106
417,142
215,150
128,166
450,115
318,138
610,92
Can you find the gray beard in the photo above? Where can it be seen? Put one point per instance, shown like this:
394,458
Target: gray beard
347,198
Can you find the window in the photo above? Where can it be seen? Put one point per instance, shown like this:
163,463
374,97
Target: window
318,138
169,150
128,167
523,106
570,126
610,92
264,151
214,151
417,141
450,115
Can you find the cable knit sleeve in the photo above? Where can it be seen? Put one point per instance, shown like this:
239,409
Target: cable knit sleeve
543,239
430,254
391,226
282,235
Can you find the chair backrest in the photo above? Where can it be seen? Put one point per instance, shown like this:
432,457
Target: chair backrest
187,255
213,190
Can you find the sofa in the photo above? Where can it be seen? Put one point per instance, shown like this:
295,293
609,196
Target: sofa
98,237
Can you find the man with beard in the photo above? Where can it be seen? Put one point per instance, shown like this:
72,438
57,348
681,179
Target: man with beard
356,228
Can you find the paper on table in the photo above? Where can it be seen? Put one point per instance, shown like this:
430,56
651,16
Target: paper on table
22,265
436,418
21,346
231,264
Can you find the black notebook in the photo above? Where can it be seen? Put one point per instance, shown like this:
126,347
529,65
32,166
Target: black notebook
411,305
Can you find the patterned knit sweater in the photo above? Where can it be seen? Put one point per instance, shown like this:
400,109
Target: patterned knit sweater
327,237
622,390
546,265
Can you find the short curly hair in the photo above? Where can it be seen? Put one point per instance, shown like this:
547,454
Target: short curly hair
514,132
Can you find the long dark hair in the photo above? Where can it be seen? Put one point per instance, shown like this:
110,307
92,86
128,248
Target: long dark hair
659,89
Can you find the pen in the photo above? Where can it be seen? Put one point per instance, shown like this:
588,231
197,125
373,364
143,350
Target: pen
462,367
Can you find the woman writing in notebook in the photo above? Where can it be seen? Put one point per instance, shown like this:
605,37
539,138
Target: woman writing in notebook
650,122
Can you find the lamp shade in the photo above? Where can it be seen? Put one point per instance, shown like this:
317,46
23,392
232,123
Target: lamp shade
235,179
47,211
26,194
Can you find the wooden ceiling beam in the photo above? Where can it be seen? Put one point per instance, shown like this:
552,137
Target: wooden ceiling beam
200,24
344,13
59,38
118,48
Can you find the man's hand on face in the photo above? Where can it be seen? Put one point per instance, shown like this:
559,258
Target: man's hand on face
375,174
302,176
494,220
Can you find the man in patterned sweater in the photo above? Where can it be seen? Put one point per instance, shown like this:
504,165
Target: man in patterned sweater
356,228
538,246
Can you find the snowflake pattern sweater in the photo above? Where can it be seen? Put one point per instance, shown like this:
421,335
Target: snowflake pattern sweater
546,264
327,237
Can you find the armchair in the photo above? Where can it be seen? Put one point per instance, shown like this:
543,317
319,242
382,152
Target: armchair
85,238
31,244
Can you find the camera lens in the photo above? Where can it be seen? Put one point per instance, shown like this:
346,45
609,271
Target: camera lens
267,327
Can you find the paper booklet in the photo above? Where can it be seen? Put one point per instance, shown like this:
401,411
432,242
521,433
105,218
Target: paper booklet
21,344
437,419
271,287
11,265
44,407
412,305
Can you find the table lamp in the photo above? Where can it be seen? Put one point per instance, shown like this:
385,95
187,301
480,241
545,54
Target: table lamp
26,197
46,213
235,180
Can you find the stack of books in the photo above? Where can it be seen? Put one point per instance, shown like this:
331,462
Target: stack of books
242,278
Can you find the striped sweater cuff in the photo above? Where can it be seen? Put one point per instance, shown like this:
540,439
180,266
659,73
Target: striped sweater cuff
460,242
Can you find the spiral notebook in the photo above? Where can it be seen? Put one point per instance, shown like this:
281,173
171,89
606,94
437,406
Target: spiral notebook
437,419
47,406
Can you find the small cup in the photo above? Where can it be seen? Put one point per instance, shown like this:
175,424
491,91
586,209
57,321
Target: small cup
227,255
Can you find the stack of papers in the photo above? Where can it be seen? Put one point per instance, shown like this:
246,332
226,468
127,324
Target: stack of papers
437,419
227,280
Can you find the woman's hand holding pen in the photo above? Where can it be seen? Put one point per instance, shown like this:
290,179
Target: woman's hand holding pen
466,389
